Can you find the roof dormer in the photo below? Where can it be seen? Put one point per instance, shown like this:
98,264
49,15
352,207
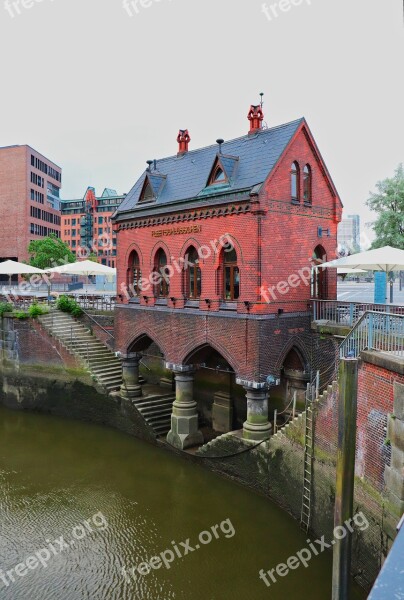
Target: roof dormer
223,170
152,186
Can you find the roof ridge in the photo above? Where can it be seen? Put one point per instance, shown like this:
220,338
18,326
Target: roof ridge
242,137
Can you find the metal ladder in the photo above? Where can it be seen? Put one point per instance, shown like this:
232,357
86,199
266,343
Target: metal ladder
312,392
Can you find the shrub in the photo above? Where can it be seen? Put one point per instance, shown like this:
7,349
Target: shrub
21,315
36,309
5,307
69,305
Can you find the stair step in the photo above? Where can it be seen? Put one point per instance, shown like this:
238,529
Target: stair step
154,404
105,368
161,430
110,379
156,412
159,422
150,400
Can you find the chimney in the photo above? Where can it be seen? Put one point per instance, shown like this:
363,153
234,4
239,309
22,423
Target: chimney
183,140
255,116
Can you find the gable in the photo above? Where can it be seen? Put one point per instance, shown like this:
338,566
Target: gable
303,149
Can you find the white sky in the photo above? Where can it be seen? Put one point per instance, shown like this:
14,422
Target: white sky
100,92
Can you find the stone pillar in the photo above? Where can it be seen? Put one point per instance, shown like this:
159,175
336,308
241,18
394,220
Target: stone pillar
184,431
257,427
222,412
130,387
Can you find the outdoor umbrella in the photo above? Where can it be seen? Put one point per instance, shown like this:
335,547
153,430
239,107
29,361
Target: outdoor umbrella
83,267
381,259
12,267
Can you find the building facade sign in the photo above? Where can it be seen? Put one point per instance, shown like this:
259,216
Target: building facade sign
177,231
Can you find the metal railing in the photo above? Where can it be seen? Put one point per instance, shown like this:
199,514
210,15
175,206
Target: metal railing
383,332
111,335
93,302
101,303
349,313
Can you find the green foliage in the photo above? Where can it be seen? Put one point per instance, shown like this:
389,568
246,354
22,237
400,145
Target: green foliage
36,309
5,307
388,204
69,305
50,252
21,314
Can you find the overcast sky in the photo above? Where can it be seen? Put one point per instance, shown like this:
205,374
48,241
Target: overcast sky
99,91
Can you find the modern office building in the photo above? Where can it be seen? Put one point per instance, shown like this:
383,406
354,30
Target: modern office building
349,234
86,225
30,187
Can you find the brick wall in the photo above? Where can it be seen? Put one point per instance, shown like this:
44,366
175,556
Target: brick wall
15,200
375,402
273,238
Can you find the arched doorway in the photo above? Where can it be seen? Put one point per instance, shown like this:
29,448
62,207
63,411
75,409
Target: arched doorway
294,378
221,402
320,276
152,366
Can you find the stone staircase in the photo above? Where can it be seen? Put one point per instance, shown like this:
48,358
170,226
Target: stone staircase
156,410
78,339
102,363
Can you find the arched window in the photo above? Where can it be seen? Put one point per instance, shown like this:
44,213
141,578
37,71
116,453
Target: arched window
231,275
193,274
163,279
307,184
134,274
295,182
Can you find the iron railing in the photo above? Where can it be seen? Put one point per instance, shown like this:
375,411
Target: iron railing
349,313
93,302
383,332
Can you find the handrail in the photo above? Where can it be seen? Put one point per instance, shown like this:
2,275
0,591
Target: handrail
343,312
96,322
382,331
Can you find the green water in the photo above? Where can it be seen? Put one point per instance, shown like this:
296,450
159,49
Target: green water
137,499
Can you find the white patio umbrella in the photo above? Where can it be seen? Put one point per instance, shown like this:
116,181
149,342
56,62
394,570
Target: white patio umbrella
347,271
381,259
83,267
12,267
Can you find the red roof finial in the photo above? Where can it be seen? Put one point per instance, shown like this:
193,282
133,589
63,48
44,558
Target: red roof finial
183,140
255,116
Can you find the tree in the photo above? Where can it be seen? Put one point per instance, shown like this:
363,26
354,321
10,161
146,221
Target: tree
50,252
388,204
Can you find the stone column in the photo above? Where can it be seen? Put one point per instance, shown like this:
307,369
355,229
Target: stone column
130,387
257,427
184,431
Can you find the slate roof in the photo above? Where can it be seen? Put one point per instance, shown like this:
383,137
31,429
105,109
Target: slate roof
187,175
109,193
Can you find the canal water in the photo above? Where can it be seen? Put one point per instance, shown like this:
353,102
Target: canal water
79,503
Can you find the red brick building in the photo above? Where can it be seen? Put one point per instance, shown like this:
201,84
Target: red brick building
215,255
29,199
87,227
